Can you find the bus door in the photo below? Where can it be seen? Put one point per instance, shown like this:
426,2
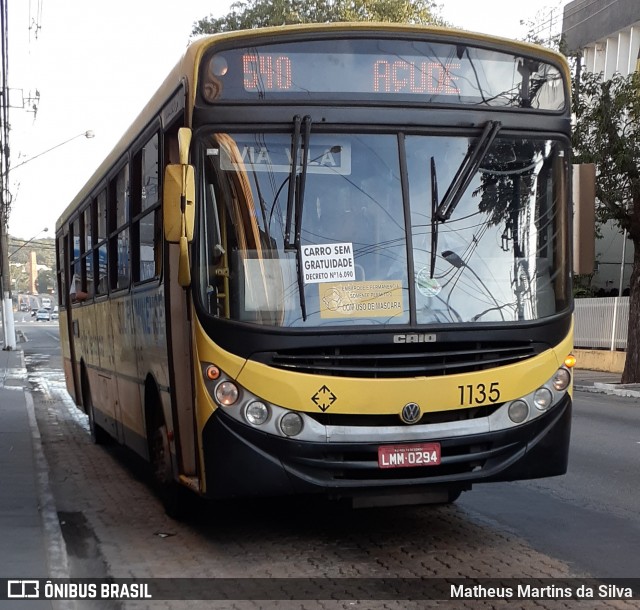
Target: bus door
178,320
180,366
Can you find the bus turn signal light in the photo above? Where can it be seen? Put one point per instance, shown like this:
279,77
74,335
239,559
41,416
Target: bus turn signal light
212,372
570,361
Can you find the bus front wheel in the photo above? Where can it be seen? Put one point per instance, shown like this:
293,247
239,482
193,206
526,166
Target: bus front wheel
172,495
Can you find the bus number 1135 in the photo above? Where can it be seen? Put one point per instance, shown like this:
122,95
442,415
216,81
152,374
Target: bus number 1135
479,394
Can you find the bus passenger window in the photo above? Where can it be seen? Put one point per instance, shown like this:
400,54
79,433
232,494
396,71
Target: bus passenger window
101,285
145,220
119,242
87,252
149,247
76,292
88,263
122,278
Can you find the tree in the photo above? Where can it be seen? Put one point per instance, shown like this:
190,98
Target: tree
607,133
247,14
45,281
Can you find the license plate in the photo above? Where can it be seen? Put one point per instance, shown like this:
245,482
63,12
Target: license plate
409,456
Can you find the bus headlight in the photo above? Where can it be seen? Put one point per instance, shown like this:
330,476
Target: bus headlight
256,413
542,398
518,411
561,379
227,393
291,424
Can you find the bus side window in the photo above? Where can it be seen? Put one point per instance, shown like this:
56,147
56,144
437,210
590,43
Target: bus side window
100,254
119,252
145,212
87,248
61,253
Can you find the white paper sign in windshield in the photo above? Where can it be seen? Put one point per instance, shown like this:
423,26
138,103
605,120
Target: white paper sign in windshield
328,263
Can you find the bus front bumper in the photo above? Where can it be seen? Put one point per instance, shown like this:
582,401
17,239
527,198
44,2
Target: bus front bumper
241,461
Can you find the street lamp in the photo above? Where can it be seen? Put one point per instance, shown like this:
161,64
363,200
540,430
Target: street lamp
85,134
28,241
456,261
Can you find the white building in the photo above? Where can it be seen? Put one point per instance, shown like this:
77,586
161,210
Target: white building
607,33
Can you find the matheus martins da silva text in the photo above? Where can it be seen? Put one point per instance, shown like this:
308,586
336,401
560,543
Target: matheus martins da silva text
522,591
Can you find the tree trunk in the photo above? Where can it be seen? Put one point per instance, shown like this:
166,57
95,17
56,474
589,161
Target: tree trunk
631,373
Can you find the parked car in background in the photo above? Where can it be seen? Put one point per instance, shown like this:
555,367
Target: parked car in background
43,314
54,313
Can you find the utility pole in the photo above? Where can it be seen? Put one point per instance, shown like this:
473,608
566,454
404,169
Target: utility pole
7,302
5,275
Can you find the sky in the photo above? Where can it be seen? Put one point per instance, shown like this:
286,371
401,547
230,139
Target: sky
95,65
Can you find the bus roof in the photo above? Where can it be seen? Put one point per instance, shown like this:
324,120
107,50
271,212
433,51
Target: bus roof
185,73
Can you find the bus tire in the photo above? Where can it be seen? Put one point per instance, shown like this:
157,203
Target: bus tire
172,495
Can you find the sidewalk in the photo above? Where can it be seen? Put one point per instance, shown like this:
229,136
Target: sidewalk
28,547
600,382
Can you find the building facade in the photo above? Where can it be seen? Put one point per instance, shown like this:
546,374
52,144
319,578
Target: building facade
607,32
607,35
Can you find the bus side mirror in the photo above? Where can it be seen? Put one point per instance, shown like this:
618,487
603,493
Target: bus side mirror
584,218
178,202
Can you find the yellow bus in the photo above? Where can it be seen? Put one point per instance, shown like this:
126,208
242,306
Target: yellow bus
331,259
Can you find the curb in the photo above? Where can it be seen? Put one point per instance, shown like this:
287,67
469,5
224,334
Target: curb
614,389
55,545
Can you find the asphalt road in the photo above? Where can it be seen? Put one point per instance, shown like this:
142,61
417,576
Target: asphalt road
588,517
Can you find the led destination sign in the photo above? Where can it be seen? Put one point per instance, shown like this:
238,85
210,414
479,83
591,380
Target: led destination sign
364,69
408,75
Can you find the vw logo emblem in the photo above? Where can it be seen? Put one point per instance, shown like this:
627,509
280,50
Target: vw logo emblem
410,413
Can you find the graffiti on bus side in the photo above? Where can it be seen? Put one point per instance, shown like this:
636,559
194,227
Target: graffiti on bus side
148,318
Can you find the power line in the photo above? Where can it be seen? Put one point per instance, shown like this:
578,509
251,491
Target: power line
35,22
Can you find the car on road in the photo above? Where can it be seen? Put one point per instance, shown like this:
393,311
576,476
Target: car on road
54,313
43,314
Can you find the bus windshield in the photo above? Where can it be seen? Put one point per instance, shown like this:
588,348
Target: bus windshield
347,240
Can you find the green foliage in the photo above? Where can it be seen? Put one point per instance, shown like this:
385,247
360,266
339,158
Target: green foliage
20,251
582,286
607,133
248,14
45,281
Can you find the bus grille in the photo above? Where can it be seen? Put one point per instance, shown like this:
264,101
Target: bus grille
389,361
357,420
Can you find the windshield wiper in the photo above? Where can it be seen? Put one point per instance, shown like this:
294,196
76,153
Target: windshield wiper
295,142
434,220
295,199
299,201
466,171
